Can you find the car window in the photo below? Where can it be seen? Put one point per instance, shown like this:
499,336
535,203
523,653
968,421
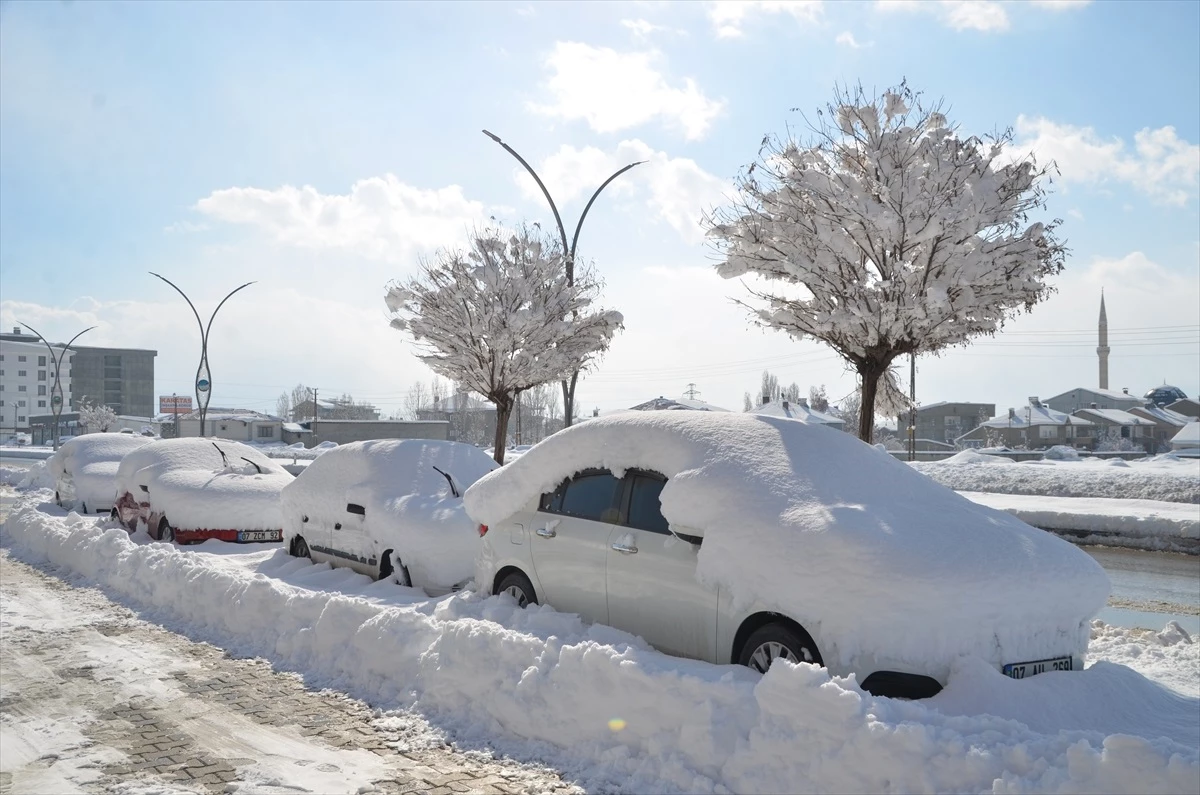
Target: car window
645,512
588,496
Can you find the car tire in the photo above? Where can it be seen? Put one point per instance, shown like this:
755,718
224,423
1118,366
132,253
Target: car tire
773,641
299,548
57,500
165,531
518,586
388,569
113,516
83,507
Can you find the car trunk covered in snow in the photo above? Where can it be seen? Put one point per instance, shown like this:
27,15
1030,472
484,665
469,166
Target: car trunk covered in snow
85,468
408,503
871,557
196,488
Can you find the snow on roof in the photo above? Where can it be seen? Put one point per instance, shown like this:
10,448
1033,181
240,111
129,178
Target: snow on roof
229,415
295,427
1108,393
1188,435
661,403
1162,414
1116,416
409,504
809,521
189,480
1037,415
796,411
1194,402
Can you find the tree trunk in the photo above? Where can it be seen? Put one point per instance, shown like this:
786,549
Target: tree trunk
503,411
869,372
568,388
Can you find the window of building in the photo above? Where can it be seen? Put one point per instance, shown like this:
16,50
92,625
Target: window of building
20,358
1048,431
41,404
21,373
41,389
21,418
21,404
266,431
1,404
21,388
1,372
41,361
42,374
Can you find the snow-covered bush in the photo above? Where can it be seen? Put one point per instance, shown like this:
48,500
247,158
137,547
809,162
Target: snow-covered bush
1062,452
96,417
1110,440
887,233
503,318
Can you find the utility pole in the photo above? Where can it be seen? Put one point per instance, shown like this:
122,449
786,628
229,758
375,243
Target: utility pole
568,385
912,400
692,393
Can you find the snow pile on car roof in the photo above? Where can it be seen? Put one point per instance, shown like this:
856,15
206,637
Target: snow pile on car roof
199,490
92,461
617,716
409,503
855,545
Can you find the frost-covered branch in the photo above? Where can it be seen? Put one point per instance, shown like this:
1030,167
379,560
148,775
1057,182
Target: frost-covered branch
502,317
888,233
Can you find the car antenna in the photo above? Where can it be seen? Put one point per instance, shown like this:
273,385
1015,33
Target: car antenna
450,480
224,458
251,463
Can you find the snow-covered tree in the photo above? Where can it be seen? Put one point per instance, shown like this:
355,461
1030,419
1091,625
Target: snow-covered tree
1110,440
283,405
416,401
888,233
818,398
97,418
501,318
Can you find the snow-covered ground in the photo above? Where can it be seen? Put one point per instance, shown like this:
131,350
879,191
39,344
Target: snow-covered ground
615,715
1165,477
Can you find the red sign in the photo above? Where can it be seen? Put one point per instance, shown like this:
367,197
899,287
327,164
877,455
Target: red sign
174,404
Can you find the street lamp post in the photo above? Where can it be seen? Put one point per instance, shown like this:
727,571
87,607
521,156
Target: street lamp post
568,387
203,375
56,393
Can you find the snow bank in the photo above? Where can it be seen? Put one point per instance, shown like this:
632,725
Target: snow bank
1170,656
1172,525
1165,477
409,504
190,482
617,716
868,555
972,457
90,463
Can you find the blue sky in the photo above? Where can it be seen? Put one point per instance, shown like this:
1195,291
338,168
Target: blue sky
320,149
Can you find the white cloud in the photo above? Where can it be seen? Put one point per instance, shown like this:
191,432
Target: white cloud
1060,5
846,39
185,227
380,218
1160,164
727,16
614,91
675,189
981,15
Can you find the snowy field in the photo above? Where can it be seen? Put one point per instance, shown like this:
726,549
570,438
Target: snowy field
614,715
1166,477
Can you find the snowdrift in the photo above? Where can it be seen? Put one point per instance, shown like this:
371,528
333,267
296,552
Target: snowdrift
617,716
868,555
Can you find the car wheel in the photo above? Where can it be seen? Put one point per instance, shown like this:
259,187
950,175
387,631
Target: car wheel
388,569
777,641
299,548
165,531
83,507
517,585
113,516
57,500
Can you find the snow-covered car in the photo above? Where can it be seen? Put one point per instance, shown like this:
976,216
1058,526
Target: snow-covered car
736,538
390,507
85,470
194,489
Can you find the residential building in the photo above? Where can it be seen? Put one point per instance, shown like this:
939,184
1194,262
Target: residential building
661,403
333,409
240,425
26,380
1166,424
945,421
1114,424
313,432
120,378
798,410
1187,440
1085,398
1035,426
1188,407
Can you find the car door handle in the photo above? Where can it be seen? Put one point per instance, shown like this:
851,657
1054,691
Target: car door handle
546,532
628,549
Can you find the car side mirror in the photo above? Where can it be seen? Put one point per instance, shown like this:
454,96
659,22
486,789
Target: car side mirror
352,507
145,489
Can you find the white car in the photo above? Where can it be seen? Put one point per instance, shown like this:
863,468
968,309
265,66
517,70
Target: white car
744,539
194,489
85,470
389,508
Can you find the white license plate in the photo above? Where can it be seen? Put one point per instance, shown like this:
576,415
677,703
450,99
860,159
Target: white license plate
259,535
1027,669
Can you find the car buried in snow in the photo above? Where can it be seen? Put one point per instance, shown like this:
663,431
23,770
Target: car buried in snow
85,470
195,489
746,539
389,508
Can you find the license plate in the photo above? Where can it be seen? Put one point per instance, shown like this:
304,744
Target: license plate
260,535
1027,669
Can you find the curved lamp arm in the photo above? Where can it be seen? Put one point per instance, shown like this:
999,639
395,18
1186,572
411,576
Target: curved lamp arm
218,309
562,232
199,322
